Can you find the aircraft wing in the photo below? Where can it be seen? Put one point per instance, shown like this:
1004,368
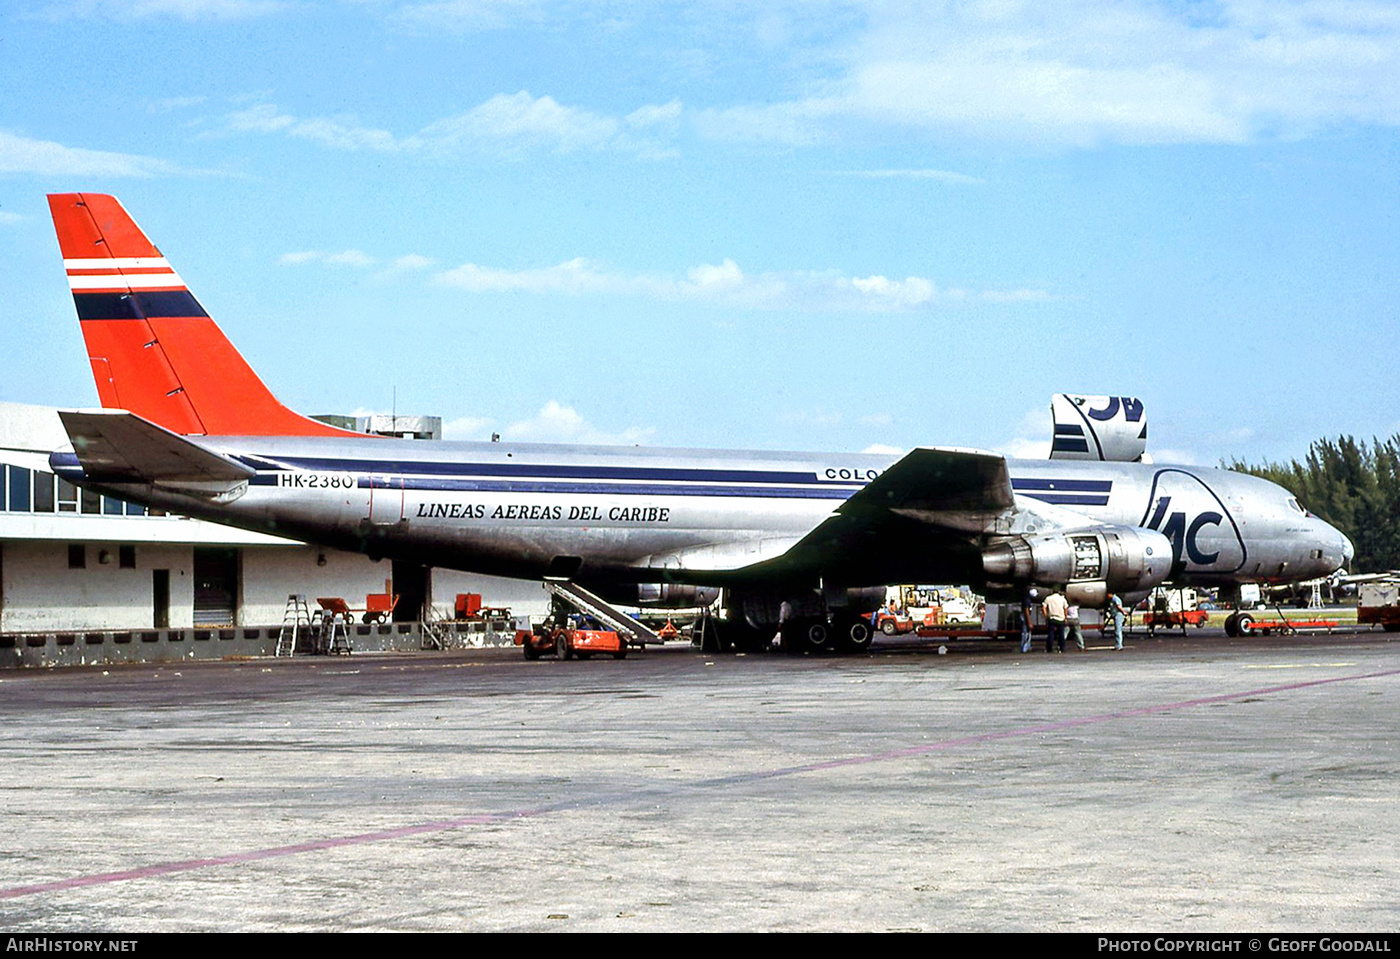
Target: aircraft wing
919,516
959,489
114,446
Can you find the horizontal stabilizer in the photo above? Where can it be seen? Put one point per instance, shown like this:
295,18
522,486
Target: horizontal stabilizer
114,446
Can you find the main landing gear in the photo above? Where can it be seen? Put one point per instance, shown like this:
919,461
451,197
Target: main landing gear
840,634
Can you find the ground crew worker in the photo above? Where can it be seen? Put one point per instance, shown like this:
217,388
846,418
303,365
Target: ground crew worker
1118,612
1056,610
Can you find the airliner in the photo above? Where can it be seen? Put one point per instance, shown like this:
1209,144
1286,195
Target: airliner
796,544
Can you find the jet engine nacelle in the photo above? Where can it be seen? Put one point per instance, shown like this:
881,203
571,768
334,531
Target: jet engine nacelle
675,595
1088,563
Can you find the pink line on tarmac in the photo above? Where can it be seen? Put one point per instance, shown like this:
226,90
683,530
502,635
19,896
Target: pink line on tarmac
481,819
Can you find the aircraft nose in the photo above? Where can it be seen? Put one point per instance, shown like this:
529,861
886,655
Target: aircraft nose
1337,546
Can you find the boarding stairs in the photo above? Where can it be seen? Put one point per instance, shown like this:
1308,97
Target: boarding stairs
296,619
585,602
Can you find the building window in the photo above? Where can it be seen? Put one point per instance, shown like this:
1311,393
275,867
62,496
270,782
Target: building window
43,491
19,489
77,556
126,557
67,496
92,502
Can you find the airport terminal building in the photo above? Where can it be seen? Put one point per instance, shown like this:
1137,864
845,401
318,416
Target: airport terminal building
75,561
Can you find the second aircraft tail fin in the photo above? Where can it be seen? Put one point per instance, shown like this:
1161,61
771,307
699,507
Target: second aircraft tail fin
154,350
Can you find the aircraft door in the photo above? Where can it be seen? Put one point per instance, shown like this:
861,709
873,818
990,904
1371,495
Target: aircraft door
385,499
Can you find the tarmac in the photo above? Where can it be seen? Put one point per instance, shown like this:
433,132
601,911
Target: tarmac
1186,784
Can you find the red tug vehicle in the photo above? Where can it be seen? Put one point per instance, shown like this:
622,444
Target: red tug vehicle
579,636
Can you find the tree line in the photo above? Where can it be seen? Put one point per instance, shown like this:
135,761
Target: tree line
1353,485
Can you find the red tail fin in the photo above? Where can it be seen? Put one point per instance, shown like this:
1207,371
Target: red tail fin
153,349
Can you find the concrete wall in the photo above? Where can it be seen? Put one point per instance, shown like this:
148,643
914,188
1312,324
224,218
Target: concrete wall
104,647
270,573
524,597
38,592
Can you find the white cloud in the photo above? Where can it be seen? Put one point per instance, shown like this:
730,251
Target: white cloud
466,428
6,217
556,423
655,115
342,133
504,124
1082,72
726,283
519,121
351,258
797,123
574,277
1033,435
20,154
1182,457
359,260
883,450
412,261
262,118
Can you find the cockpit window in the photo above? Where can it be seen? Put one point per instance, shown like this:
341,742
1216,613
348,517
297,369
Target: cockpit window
1293,502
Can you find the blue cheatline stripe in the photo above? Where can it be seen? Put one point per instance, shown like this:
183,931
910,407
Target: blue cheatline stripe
1063,485
395,467
1069,499
1069,429
1063,445
595,489
136,306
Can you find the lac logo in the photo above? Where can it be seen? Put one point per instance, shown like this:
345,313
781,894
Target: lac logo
1186,511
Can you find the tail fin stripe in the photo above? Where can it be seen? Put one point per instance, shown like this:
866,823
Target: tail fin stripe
137,306
116,263
129,281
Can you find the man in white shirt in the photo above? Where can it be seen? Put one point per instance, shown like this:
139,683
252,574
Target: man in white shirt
1056,612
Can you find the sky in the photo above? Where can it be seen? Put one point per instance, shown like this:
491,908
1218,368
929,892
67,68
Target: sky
828,226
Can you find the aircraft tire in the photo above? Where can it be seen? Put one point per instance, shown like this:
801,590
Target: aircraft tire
1232,625
1242,624
819,636
856,636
